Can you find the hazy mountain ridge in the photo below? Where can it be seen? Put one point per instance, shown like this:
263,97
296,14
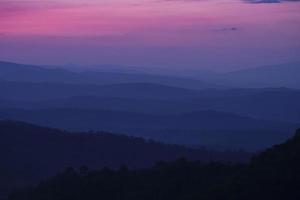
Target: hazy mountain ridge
42,91
208,128
29,73
279,104
282,75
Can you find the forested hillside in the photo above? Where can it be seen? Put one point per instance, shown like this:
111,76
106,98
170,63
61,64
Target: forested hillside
30,153
272,174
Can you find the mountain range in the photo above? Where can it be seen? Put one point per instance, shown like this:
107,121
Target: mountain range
177,110
280,75
30,73
205,128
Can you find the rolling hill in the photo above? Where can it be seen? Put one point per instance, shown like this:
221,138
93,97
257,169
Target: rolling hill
208,128
30,153
25,91
279,104
282,75
271,174
29,73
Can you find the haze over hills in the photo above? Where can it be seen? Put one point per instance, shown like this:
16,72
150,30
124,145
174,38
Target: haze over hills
218,117
271,103
203,128
30,73
43,91
281,75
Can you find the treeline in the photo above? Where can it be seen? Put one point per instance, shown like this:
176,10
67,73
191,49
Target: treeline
272,174
29,153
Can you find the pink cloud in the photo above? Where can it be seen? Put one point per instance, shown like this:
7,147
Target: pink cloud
96,19
116,22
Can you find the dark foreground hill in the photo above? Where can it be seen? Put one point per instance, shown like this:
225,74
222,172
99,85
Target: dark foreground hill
29,153
273,174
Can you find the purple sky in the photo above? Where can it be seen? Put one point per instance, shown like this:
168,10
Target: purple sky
210,34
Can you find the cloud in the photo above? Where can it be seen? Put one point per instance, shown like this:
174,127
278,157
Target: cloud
269,1
246,1
227,29
10,8
263,1
29,5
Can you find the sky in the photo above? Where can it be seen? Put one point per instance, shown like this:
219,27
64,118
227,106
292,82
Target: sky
219,35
